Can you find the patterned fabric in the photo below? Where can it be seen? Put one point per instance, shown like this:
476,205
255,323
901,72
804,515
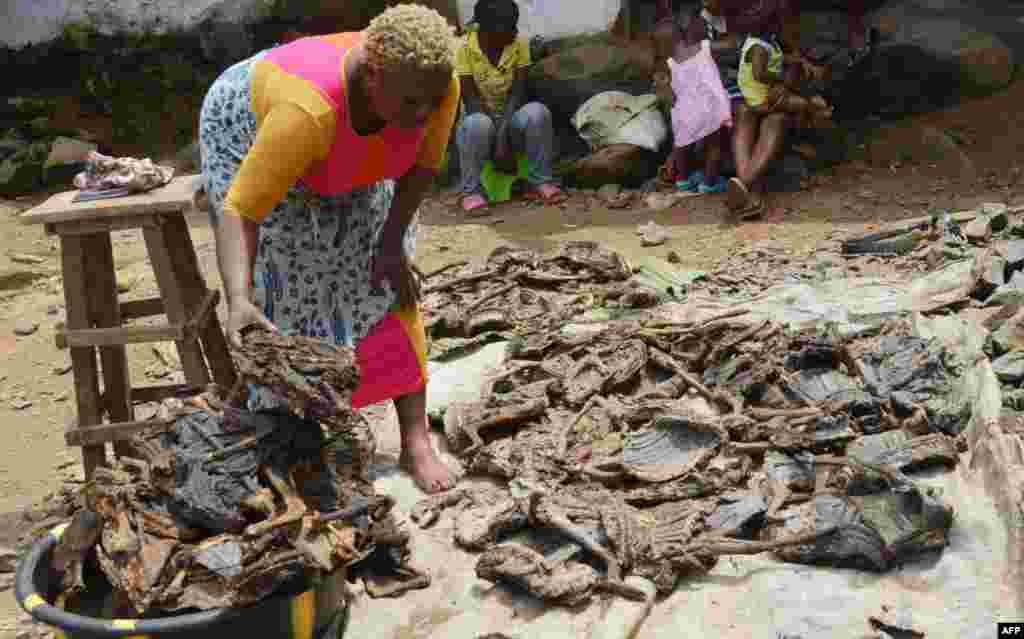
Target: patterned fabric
493,82
313,258
102,173
297,95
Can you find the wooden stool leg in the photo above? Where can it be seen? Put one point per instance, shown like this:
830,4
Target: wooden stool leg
106,313
186,267
83,359
174,295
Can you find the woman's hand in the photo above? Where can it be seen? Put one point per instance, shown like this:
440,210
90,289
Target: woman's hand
403,276
241,314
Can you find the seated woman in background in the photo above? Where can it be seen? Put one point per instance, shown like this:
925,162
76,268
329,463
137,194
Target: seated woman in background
491,63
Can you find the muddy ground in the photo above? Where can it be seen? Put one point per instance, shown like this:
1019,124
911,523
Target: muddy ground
901,174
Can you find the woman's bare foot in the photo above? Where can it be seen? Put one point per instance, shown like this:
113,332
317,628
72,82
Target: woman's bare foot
418,457
426,468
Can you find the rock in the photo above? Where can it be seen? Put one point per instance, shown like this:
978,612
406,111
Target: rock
983,61
62,369
673,258
662,201
25,327
652,234
8,560
22,258
623,164
1009,368
567,79
979,230
20,404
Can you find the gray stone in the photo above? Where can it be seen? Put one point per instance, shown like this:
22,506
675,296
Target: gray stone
984,62
1009,367
25,327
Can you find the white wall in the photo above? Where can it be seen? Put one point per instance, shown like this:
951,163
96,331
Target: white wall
558,18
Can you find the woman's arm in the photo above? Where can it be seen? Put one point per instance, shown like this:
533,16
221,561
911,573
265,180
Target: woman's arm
288,142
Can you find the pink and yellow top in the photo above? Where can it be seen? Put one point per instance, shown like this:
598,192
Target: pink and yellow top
304,133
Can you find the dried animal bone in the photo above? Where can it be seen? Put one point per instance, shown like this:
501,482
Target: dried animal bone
487,515
315,378
427,511
465,421
555,580
294,508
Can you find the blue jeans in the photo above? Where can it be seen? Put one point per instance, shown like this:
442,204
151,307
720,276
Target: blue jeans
529,130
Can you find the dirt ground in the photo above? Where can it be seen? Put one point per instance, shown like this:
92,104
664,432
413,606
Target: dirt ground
904,173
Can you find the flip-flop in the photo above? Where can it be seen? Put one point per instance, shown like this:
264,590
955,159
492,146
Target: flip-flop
752,211
737,195
547,193
474,203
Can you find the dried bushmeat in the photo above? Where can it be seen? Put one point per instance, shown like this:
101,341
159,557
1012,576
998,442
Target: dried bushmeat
652,448
226,506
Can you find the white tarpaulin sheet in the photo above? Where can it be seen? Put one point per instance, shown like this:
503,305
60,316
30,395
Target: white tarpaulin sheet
558,18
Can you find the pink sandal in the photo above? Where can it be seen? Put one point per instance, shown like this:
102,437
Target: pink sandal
474,203
547,193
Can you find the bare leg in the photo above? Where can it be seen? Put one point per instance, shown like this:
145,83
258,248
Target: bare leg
713,156
681,162
418,456
770,139
747,121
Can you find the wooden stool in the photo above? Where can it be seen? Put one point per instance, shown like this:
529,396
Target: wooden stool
95,316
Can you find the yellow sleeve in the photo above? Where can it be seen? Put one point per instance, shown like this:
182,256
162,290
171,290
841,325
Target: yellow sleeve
523,55
288,142
439,128
462,64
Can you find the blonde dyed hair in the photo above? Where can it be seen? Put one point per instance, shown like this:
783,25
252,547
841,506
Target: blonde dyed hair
410,38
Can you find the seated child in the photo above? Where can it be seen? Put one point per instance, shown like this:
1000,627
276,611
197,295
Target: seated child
707,24
766,90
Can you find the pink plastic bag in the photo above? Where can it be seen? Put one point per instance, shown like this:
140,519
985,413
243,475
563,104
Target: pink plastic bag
702,105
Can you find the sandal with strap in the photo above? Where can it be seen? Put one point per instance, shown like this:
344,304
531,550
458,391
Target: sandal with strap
547,193
737,195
